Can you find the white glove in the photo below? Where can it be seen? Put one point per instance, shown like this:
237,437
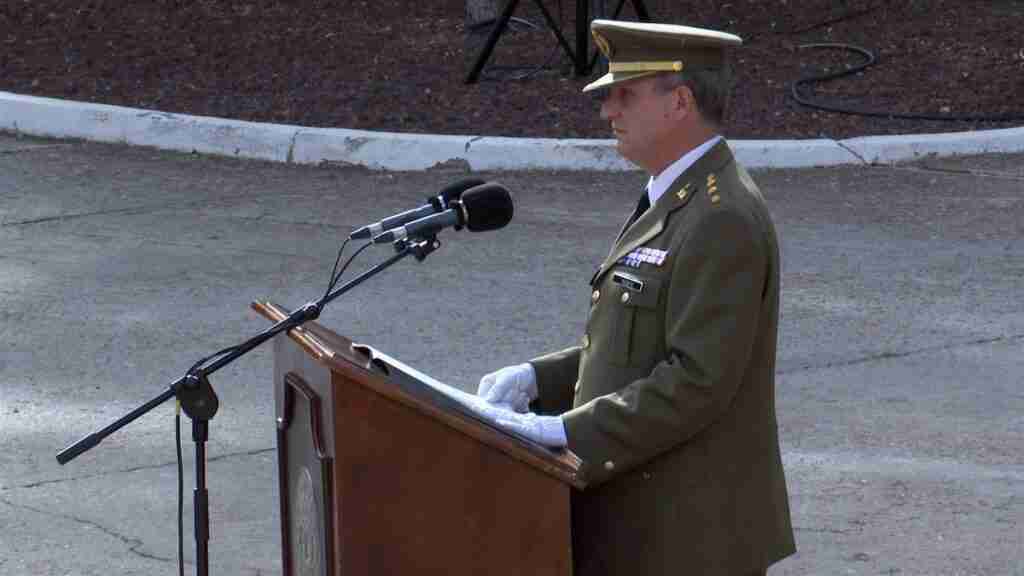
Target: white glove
545,430
513,387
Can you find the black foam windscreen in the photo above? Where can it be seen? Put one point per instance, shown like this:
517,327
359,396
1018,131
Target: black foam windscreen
487,207
455,190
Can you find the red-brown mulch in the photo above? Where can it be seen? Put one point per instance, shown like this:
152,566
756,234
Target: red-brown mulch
400,65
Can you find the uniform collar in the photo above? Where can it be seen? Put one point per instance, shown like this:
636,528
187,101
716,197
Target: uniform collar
657,185
681,192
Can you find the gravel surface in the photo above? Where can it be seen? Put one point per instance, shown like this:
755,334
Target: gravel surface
400,66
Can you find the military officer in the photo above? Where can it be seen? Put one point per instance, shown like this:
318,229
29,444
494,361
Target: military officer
669,397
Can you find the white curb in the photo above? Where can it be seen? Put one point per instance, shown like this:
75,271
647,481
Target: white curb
396,151
376,150
888,149
791,153
498,153
102,123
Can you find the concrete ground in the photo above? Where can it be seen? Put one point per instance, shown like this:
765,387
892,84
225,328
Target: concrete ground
900,374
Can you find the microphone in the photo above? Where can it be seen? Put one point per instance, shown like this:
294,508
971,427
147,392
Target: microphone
481,208
434,205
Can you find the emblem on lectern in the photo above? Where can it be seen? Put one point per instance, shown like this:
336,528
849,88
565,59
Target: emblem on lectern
305,534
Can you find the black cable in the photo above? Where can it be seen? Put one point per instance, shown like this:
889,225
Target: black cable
199,364
551,55
335,278
836,20
871,59
492,21
334,271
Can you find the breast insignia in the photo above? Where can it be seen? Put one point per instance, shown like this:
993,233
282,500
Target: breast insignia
644,255
713,189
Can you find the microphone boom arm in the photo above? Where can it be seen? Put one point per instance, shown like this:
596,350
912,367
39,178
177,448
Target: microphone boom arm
200,401
420,248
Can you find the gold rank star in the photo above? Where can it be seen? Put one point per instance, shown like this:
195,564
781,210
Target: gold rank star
684,191
713,189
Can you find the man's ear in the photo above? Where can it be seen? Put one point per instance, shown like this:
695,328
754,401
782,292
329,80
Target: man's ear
684,103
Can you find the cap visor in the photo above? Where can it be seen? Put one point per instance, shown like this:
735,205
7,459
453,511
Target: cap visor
615,78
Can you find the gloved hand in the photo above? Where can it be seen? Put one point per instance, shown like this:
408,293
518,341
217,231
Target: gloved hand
512,386
545,430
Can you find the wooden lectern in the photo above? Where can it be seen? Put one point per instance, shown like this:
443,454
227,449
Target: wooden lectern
377,480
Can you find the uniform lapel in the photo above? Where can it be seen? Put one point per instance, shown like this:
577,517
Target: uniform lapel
652,222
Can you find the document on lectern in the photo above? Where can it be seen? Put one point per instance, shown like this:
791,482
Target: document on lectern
438,393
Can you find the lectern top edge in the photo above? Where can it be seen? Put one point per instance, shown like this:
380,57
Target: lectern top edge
336,351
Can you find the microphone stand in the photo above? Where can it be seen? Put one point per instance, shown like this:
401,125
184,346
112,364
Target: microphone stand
200,402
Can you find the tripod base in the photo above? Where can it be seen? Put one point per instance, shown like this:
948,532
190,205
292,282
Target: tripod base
582,64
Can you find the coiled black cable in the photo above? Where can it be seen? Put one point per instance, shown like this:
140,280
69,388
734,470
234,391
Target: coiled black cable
869,60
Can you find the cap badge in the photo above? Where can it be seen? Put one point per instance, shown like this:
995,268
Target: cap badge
602,44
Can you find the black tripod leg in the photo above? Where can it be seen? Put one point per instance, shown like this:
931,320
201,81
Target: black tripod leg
618,9
485,53
641,11
581,28
582,38
558,33
615,16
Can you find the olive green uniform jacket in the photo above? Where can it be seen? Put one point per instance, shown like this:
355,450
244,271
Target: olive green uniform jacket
669,400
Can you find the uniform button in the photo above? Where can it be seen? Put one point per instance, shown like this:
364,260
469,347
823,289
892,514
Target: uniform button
646,475
595,296
586,341
609,465
625,297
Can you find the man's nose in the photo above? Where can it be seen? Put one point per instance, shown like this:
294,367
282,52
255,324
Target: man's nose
608,109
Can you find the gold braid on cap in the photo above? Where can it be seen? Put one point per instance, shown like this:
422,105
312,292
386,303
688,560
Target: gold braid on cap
665,66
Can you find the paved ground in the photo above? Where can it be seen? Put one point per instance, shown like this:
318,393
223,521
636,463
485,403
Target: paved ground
900,369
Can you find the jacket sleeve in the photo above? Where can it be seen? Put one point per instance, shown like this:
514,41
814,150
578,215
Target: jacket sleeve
556,377
711,315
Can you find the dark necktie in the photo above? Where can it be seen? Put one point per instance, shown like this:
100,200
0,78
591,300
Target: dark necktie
641,206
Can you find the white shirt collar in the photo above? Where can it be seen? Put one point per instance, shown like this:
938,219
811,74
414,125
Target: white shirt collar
657,185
